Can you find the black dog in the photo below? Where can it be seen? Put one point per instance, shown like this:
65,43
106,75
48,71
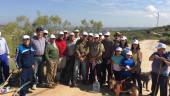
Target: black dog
145,77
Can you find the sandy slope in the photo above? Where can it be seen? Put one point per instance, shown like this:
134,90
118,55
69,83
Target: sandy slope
147,47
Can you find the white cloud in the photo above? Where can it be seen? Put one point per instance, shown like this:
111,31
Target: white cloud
151,9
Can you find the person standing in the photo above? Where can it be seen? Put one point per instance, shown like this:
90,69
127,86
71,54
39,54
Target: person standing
61,44
25,63
66,35
81,53
159,71
116,61
70,53
96,50
38,43
52,58
106,64
4,54
137,56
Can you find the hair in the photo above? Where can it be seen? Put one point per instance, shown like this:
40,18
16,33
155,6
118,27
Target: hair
132,47
125,45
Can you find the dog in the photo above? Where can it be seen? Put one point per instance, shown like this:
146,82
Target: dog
118,89
145,77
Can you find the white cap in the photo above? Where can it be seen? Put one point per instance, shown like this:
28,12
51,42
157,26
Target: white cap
118,49
61,32
90,34
72,34
76,30
129,53
65,31
135,42
52,36
107,33
26,37
85,33
100,34
123,38
161,45
96,35
45,31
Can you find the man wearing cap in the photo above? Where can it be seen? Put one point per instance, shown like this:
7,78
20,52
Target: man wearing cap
82,50
52,58
159,71
77,34
61,44
4,54
106,64
25,61
70,56
45,34
38,43
101,37
96,50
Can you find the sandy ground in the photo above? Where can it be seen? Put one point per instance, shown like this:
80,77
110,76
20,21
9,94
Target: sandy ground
147,48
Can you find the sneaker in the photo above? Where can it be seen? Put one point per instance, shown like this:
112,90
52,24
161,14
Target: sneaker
34,87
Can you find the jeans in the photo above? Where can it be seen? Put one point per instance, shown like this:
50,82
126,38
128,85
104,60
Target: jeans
4,66
39,70
76,69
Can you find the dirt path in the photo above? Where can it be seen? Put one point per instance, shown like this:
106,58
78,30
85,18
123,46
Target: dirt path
147,47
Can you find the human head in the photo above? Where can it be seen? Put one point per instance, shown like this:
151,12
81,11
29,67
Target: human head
26,40
52,38
76,33
129,54
45,34
90,36
107,35
161,47
96,37
118,51
39,32
84,35
135,45
61,35
71,36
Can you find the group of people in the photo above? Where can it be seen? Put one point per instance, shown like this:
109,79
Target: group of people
66,57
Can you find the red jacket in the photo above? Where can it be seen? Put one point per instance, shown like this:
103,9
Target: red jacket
61,44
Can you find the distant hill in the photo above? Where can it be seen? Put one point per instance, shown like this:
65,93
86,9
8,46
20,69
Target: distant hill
125,28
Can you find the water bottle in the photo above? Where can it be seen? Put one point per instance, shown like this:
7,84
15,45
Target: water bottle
96,86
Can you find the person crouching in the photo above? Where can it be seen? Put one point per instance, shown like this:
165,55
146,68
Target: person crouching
25,63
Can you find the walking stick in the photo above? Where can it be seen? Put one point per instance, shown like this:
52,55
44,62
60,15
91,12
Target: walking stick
7,80
22,86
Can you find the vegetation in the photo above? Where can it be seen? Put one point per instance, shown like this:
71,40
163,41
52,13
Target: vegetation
13,31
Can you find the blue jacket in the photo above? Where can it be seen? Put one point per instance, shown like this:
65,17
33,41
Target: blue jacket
25,56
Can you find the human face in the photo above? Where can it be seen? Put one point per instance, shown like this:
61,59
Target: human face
96,39
76,34
106,36
128,56
61,36
84,37
26,42
72,37
117,53
40,34
52,40
135,46
90,38
161,50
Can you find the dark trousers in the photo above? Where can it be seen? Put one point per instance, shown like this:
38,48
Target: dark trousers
117,75
26,75
106,68
136,77
162,83
4,66
69,70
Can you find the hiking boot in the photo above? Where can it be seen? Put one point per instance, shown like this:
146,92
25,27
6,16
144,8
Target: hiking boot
34,87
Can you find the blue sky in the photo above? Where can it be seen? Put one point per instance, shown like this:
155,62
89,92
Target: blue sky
113,13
